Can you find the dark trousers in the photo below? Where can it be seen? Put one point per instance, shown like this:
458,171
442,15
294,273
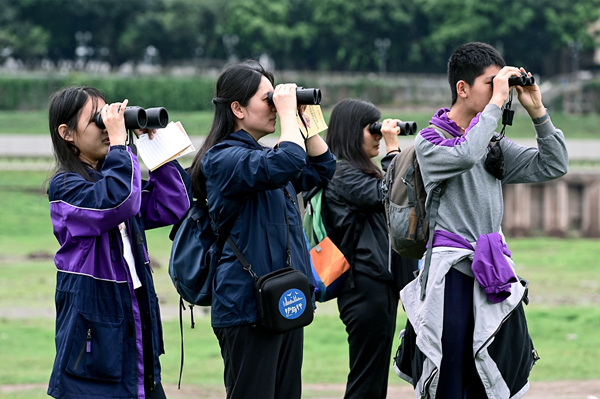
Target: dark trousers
458,376
259,364
156,393
369,312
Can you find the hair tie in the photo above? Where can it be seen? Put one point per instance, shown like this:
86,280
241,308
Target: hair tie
219,100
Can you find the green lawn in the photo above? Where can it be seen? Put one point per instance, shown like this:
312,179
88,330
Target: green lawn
198,123
564,316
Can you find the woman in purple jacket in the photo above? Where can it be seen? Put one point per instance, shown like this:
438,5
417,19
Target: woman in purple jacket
108,329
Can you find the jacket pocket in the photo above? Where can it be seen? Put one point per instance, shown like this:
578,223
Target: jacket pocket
97,348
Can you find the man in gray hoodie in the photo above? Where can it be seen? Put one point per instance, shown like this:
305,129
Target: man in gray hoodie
468,331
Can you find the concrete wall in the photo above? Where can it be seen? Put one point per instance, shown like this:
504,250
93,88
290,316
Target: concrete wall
566,207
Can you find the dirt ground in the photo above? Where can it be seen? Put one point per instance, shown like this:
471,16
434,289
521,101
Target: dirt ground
589,389
539,390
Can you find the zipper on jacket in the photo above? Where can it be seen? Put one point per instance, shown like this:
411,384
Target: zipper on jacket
140,242
287,194
304,249
500,326
86,348
111,241
427,384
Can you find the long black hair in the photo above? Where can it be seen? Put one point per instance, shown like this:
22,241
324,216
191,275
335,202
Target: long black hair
345,135
65,107
238,82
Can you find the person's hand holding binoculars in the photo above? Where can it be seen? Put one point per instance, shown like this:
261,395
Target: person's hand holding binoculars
530,97
114,122
284,99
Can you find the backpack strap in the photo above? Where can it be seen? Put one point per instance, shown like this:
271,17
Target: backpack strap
432,208
221,237
432,211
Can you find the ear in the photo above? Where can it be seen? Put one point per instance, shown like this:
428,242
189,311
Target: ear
63,130
236,108
462,89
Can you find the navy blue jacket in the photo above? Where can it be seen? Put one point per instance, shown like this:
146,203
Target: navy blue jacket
100,348
246,179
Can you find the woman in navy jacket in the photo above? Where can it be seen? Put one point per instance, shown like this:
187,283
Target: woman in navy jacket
108,328
254,187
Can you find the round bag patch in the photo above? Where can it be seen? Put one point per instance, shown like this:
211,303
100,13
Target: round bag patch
292,303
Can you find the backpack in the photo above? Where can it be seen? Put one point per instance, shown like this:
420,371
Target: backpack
329,265
195,253
407,212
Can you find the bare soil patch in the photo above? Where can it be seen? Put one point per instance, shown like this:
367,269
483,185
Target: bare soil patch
587,389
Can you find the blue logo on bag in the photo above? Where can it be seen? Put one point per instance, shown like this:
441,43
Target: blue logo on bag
292,304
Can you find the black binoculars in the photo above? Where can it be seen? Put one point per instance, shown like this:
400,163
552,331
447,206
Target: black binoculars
407,128
522,80
140,118
303,96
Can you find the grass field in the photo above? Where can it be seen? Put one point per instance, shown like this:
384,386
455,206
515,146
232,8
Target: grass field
564,316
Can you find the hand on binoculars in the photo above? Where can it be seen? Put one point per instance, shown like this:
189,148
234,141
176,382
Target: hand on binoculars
112,116
390,129
284,98
500,84
530,98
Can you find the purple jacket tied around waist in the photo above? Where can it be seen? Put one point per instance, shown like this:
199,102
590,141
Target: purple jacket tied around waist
490,267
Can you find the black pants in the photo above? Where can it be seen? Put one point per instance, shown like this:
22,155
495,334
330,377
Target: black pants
458,376
369,312
156,393
259,364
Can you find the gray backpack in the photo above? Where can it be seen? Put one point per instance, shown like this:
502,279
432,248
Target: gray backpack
407,210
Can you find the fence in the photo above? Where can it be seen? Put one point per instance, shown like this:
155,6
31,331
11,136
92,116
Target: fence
566,207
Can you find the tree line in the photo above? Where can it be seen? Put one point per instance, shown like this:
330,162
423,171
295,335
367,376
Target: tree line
546,36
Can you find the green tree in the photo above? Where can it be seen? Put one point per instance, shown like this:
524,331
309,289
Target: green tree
530,33
347,32
279,29
300,34
179,29
20,38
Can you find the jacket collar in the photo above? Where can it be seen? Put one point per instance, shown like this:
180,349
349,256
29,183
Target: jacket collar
245,138
440,119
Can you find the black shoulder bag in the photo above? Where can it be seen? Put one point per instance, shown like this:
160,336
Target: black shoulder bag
284,296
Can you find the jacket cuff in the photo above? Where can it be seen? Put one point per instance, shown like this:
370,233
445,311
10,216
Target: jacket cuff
541,119
324,157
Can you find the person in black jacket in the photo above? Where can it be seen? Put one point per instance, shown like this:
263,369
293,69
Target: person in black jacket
368,299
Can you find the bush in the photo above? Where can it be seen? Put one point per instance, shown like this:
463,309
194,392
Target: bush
183,94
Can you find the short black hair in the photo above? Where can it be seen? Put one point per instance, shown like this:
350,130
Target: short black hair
469,61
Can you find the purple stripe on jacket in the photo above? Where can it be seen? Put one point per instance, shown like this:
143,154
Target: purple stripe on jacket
442,120
490,267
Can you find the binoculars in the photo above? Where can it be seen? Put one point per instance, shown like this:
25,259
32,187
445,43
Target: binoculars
140,118
522,80
407,128
303,96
